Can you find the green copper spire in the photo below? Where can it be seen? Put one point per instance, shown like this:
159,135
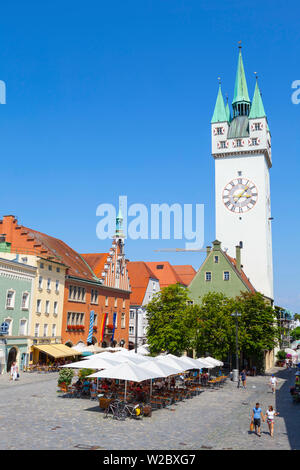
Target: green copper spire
119,224
228,114
257,107
220,111
240,88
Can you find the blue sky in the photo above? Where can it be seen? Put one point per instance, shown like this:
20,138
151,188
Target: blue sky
115,98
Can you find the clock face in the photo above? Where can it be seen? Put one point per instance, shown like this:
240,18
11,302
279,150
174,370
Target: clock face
240,195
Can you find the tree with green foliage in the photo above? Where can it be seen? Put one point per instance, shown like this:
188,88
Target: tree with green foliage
295,333
258,328
169,321
213,325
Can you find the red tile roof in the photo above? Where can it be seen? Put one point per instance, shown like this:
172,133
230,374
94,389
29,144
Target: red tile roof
185,272
240,273
139,275
61,252
96,261
166,273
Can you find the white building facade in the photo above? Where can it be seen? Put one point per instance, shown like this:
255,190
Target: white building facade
241,147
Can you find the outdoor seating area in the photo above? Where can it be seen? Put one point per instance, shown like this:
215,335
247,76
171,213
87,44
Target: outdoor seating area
42,368
130,385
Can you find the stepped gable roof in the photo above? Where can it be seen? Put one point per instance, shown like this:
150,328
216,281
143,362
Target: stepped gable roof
139,275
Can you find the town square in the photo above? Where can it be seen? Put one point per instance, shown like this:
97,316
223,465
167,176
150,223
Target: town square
215,420
149,270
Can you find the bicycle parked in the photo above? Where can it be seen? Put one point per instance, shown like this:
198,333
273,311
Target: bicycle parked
121,410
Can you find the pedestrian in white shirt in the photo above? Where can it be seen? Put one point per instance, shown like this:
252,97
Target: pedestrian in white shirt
273,383
270,414
14,371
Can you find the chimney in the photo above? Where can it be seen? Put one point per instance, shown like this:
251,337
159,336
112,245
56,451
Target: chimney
8,222
208,250
238,257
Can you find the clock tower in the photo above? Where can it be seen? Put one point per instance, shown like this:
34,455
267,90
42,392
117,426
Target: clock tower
241,147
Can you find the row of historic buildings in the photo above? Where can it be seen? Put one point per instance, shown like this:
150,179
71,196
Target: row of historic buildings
54,300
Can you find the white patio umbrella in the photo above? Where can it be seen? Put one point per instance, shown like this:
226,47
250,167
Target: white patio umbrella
197,363
128,372
120,357
91,363
213,361
164,369
173,362
143,350
208,365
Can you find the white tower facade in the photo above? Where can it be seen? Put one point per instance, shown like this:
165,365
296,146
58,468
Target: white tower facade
241,147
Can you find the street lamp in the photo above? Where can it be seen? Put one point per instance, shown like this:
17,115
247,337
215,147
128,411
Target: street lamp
236,314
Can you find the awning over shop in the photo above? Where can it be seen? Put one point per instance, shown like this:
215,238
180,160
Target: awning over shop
57,350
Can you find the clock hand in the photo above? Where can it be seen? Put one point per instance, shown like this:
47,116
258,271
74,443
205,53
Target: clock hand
240,195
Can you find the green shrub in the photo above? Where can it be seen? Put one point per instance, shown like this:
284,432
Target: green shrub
85,372
65,376
281,355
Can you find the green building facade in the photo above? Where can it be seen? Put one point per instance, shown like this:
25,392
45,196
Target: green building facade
16,285
219,273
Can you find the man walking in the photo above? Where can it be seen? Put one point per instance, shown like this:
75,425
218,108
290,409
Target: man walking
257,414
273,383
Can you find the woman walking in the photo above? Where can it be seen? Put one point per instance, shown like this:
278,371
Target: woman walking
270,413
14,371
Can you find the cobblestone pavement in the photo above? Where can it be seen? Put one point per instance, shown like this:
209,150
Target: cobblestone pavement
33,416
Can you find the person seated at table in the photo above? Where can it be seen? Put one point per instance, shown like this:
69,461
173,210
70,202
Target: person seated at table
94,385
104,385
131,386
86,387
204,378
113,386
78,384
139,393
159,384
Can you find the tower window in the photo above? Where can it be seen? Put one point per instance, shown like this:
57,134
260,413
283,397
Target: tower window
254,142
239,143
223,144
257,126
219,131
